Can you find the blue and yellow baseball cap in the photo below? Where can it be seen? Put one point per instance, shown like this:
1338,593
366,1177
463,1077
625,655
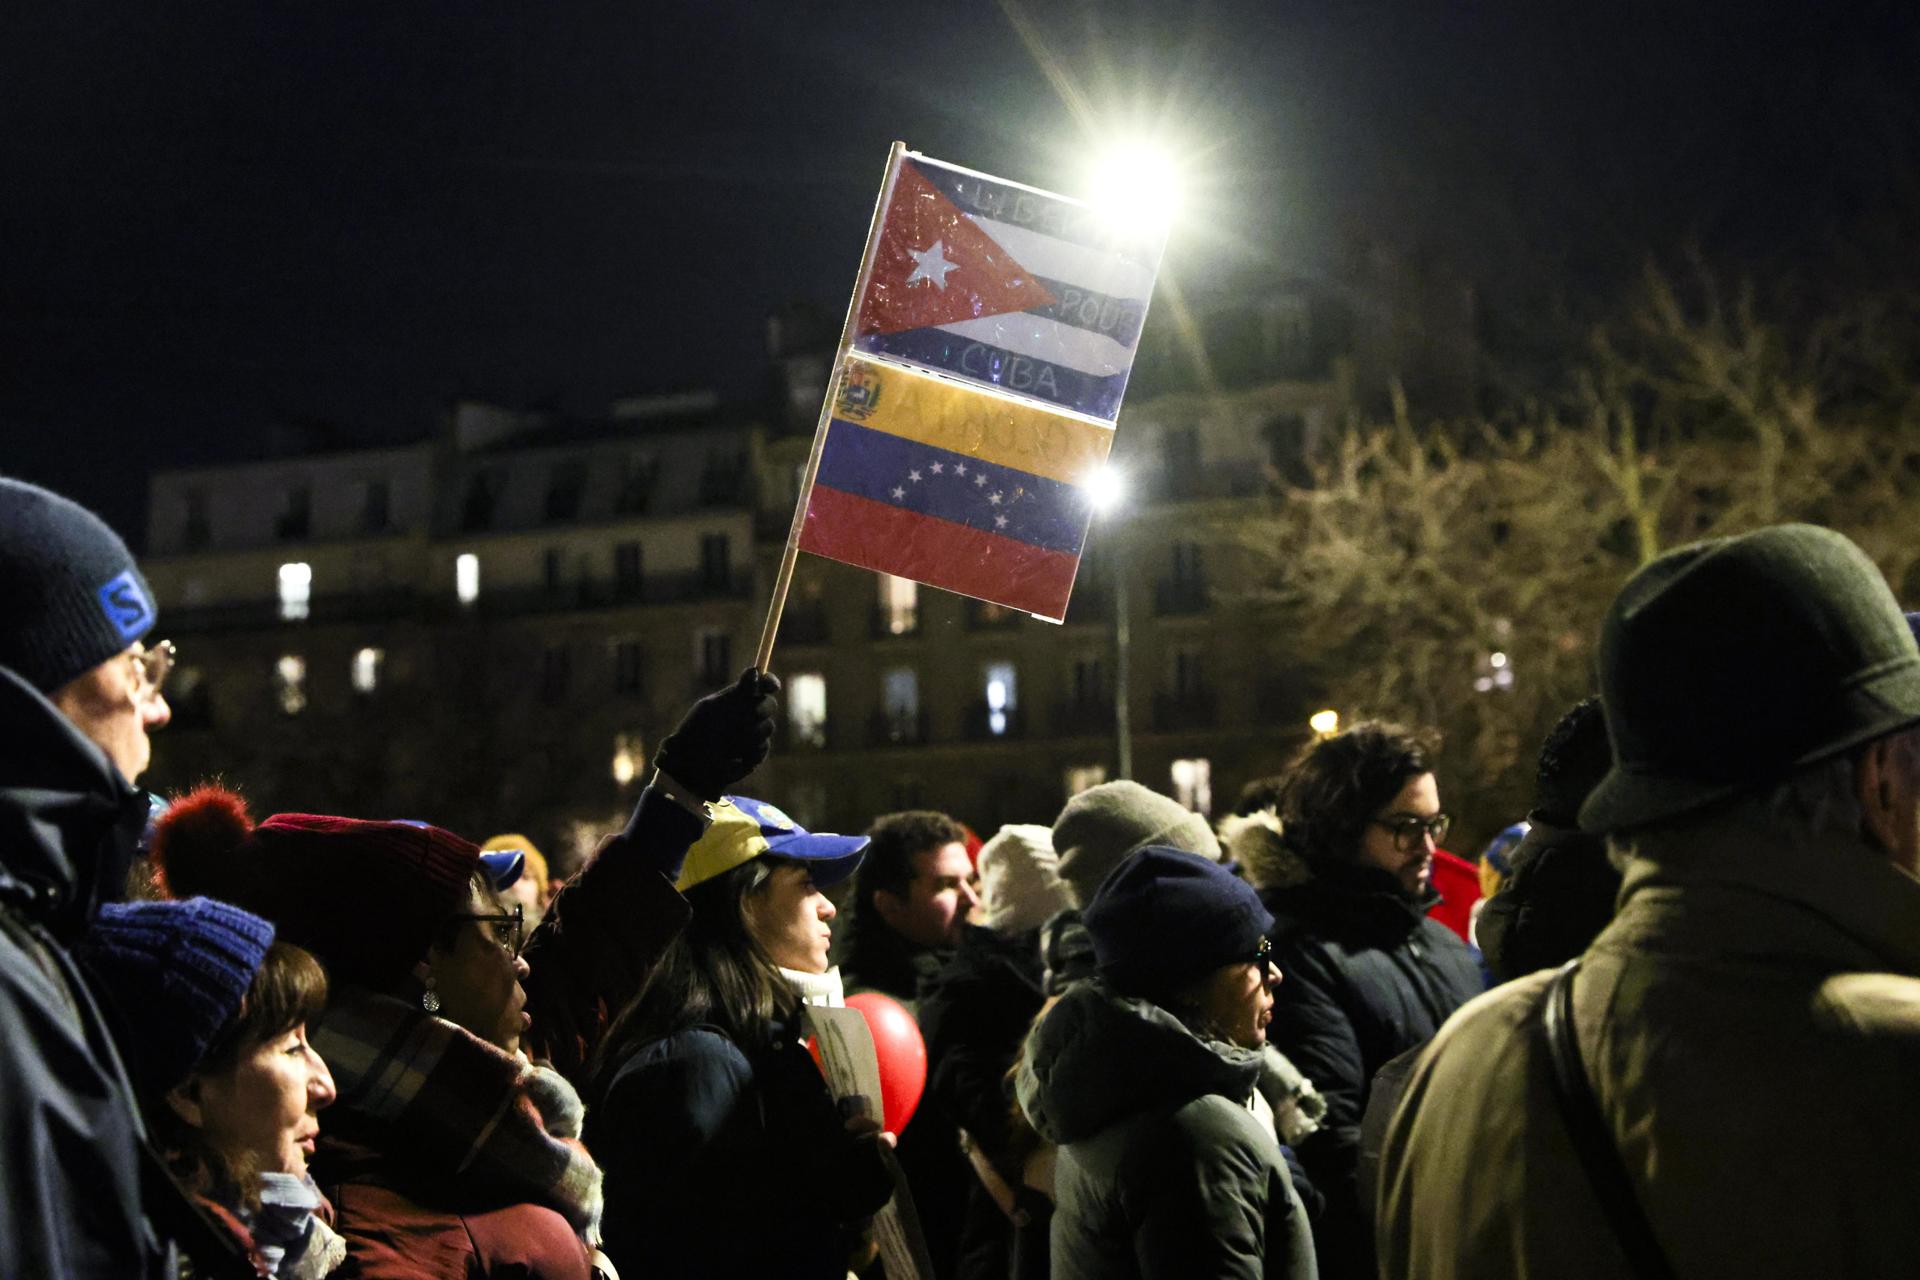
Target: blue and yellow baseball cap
744,828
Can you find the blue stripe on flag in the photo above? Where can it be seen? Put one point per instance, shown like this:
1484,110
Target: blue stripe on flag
953,486
1035,211
1095,395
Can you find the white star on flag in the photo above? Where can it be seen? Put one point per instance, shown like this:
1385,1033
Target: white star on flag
938,467
914,476
898,493
979,477
959,468
994,498
931,265
999,522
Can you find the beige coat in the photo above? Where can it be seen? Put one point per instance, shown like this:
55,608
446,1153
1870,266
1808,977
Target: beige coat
1752,1022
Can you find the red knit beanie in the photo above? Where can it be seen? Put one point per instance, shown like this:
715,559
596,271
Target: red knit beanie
367,898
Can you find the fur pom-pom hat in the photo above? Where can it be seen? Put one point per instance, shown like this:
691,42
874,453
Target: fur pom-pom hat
367,898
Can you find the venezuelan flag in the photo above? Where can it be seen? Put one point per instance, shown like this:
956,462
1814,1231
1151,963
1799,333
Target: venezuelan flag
965,490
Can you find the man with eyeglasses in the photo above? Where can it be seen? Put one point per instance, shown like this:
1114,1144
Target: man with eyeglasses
1368,973
79,693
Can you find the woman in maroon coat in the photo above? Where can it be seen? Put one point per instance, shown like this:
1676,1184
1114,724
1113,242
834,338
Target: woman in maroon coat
447,1156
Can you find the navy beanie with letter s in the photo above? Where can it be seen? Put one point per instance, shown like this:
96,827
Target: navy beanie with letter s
1166,918
73,596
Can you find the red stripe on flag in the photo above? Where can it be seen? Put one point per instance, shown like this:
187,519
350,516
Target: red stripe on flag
940,553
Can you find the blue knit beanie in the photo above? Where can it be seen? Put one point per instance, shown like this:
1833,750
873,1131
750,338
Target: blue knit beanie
73,595
1166,918
176,973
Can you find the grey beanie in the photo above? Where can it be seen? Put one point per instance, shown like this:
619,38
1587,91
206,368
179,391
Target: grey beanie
1103,824
74,597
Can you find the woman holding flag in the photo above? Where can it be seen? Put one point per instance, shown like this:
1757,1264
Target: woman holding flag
704,1100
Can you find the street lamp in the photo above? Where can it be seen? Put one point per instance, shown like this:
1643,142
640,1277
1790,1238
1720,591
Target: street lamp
1108,489
1136,184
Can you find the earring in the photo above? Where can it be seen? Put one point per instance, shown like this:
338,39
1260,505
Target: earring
429,999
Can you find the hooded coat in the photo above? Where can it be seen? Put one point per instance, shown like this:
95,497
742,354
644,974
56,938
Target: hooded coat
1166,1168
1751,1014
69,1132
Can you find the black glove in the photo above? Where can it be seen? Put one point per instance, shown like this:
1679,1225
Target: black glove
724,737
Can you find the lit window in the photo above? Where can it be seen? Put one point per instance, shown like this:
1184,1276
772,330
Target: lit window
1082,776
900,695
899,605
807,708
296,590
627,758
1193,784
1000,697
366,669
290,683
466,577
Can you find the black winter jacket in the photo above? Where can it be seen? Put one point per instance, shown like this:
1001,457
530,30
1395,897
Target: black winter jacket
973,1013
1365,976
722,1163
70,1196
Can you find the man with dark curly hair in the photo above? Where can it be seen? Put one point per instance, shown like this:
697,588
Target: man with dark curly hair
913,894
1367,975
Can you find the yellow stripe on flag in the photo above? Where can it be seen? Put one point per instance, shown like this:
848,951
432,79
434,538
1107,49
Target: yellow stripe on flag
979,424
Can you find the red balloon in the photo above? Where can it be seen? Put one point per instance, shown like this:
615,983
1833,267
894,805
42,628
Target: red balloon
902,1054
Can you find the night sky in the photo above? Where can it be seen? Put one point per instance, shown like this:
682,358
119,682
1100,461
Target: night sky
218,216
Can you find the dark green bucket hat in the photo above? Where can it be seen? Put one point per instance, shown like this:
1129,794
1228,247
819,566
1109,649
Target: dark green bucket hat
1726,665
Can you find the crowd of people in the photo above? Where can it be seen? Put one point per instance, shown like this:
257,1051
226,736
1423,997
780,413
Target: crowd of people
1663,1028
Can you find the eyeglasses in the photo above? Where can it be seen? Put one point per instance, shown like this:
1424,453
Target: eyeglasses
1407,831
1262,954
152,665
507,928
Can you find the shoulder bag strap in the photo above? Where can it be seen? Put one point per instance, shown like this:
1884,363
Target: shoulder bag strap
1599,1156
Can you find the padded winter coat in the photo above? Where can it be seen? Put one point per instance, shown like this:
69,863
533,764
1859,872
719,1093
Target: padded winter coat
70,1189
722,1163
1366,975
1166,1169
1751,1024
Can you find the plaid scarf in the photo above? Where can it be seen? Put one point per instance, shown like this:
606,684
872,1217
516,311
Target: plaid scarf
453,1106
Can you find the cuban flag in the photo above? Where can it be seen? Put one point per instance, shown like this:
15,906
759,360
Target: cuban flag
1007,286
971,491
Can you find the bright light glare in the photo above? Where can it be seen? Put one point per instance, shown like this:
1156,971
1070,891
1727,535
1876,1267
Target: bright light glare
1137,184
466,577
1325,723
1107,490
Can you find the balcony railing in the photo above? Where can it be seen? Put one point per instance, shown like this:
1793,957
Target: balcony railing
371,606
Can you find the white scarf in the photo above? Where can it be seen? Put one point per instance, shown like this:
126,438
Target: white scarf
823,989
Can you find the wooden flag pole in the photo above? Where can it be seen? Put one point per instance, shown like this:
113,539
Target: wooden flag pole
783,581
